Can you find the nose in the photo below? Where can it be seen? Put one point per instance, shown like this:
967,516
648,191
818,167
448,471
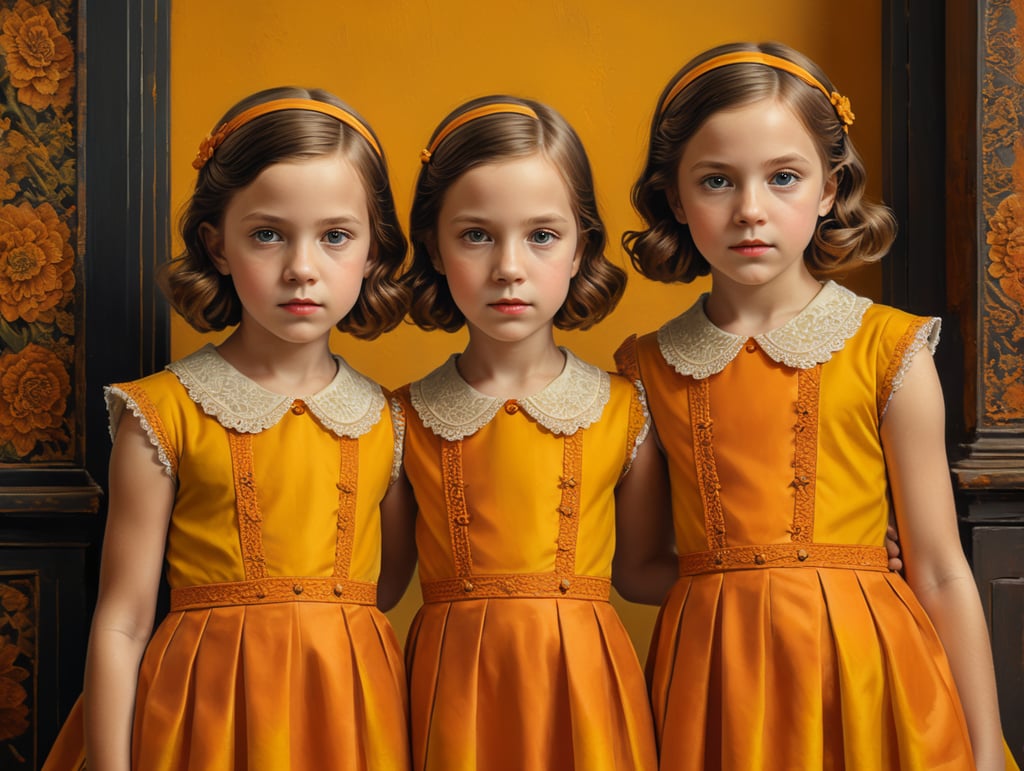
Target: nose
300,267
750,208
508,264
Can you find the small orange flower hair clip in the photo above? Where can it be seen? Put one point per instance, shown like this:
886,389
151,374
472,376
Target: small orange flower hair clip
208,145
842,105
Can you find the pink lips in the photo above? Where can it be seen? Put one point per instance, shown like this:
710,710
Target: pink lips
750,248
300,307
511,306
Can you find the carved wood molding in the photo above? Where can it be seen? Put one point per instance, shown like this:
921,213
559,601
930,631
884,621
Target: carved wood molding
985,228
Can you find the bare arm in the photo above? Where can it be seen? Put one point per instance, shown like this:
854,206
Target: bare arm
398,542
141,498
645,564
913,436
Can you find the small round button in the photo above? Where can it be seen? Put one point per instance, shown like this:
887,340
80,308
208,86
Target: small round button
298,408
511,407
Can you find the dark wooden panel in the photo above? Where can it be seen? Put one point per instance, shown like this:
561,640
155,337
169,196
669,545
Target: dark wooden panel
42,620
1008,647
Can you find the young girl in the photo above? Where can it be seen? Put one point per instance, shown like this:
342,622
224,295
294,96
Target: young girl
514,449
263,466
793,414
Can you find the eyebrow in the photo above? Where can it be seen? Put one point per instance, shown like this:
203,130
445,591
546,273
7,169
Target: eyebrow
782,160
273,219
540,219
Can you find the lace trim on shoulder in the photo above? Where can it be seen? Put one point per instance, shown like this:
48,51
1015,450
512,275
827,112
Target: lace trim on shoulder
694,346
453,409
117,401
926,335
349,406
398,427
641,415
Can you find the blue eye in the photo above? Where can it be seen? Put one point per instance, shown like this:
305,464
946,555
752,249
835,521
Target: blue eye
543,237
336,237
266,236
785,179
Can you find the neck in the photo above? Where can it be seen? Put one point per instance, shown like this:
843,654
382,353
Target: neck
754,310
515,370
298,369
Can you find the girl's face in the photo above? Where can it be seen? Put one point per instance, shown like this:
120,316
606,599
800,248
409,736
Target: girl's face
751,186
295,242
507,241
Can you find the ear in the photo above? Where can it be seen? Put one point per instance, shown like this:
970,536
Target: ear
435,253
672,194
213,240
828,194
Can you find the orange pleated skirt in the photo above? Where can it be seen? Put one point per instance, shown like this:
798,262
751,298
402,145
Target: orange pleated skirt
802,668
526,683
286,686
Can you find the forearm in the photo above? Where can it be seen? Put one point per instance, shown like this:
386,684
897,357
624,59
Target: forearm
646,582
111,678
955,610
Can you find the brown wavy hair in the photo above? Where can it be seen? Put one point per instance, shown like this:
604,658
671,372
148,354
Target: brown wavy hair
207,299
854,231
598,285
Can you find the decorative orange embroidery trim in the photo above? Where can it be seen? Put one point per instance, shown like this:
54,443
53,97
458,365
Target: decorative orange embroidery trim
539,585
149,412
348,485
563,582
569,509
780,555
274,589
637,421
896,363
805,458
704,460
455,503
250,518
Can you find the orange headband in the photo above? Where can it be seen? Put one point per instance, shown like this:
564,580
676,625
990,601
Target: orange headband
213,141
497,108
839,102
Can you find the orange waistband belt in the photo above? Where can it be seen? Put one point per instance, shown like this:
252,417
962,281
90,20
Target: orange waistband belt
260,591
539,585
784,555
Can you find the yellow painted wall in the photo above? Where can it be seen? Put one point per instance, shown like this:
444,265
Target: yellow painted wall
405,63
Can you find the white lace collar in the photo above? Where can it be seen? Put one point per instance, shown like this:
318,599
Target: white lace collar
453,409
350,405
696,347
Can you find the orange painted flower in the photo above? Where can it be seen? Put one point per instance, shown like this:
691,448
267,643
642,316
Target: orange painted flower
34,389
36,262
40,59
13,710
1006,247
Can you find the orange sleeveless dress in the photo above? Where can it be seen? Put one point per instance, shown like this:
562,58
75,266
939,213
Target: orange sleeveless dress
786,643
274,655
516,659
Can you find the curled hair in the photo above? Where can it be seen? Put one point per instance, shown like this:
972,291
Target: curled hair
855,230
206,298
598,285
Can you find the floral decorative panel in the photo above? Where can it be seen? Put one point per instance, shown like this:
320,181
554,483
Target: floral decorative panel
39,232
1002,200
19,611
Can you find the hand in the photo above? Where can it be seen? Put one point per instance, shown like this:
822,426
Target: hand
892,547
